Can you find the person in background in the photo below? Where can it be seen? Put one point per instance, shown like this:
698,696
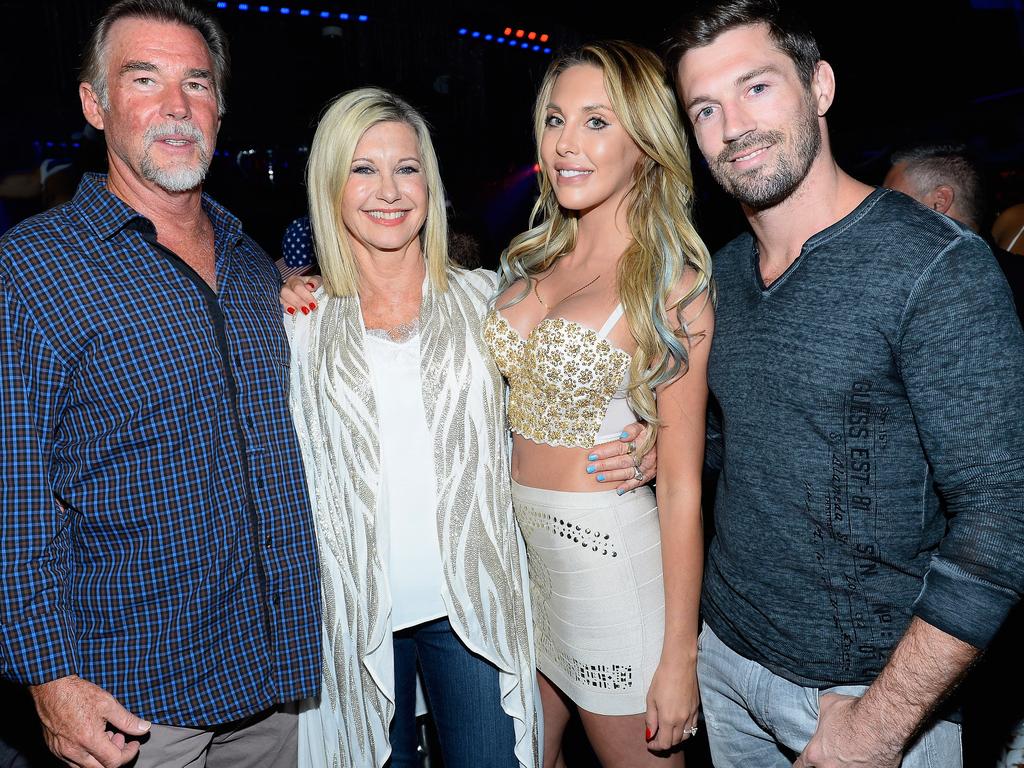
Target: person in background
946,179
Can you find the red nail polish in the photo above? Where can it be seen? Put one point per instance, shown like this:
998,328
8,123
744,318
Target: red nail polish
647,734
305,311
291,310
312,305
311,286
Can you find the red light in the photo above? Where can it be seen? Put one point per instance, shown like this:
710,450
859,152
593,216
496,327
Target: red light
520,33
532,35
508,31
543,38
536,167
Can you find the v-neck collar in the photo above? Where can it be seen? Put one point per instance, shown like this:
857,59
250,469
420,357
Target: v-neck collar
818,238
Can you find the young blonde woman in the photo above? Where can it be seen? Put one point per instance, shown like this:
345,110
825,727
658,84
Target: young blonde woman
606,316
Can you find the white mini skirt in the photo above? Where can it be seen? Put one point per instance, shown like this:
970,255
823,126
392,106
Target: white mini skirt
594,561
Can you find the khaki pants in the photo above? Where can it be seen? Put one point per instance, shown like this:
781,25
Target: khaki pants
266,740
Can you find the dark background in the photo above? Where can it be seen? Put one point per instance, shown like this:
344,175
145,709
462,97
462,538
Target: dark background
906,70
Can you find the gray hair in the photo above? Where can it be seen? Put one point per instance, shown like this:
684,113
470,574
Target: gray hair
931,165
94,63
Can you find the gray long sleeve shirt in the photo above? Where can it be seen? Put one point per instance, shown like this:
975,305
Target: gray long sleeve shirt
873,444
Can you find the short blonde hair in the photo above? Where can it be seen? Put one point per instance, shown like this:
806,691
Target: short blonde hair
330,160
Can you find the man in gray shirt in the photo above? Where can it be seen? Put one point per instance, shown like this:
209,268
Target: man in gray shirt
870,370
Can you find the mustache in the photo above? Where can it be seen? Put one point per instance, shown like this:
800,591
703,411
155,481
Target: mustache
748,142
175,128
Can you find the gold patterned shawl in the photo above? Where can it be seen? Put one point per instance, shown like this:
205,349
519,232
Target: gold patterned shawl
484,564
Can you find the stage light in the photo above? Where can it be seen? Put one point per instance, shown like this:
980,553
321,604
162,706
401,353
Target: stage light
304,12
525,45
463,31
222,5
547,50
363,17
500,40
325,14
543,38
243,6
343,16
520,33
512,42
536,167
488,37
536,47
532,36
264,9
508,31
475,34
285,11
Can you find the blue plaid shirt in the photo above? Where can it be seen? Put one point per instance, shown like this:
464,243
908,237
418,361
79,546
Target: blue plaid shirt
156,536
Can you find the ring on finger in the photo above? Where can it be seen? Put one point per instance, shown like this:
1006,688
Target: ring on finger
631,447
637,474
692,731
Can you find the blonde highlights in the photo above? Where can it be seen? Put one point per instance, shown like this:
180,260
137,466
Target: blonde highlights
658,211
328,169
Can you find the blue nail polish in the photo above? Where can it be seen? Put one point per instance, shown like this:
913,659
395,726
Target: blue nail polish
600,478
624,435
591,469
592,457
620,491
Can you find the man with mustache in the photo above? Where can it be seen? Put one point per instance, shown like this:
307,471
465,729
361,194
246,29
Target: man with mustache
160,581
870,372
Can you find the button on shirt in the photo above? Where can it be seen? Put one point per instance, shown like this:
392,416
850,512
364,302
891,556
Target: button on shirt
156,537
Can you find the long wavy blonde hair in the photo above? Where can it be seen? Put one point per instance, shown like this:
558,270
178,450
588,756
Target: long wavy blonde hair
658,212
329,167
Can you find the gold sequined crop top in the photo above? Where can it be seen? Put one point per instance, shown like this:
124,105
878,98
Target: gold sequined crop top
565,380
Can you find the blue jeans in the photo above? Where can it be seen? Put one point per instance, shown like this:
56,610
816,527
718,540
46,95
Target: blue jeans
756,718
464,696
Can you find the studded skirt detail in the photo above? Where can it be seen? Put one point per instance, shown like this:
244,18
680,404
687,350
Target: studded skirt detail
594,561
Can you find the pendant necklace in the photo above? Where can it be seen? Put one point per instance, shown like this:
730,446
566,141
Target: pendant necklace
537,294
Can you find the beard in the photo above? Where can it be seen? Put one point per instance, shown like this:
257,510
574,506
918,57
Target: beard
762,188
182,176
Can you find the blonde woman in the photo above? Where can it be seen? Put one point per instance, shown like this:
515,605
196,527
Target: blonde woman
399,411
606,316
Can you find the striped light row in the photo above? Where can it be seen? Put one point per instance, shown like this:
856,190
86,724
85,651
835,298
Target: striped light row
510,38
285,10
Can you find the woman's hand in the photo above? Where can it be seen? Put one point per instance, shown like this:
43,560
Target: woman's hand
617,460
297,294
672,704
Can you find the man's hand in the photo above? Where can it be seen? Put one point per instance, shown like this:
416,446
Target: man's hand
844,740
617,460
84,725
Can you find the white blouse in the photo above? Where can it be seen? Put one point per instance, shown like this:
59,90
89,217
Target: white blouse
407,507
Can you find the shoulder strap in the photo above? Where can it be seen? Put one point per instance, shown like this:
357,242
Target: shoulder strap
613,318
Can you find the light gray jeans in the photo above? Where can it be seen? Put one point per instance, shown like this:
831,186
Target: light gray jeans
756,719
266,740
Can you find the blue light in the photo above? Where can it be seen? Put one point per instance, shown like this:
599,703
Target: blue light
547,50
463,31
243,6
363,17
325,14
536,48
264,9
285,11
76,145
500,40
222,5
525,45
343,16
512,43
475,34
304,12
49,143
488,37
